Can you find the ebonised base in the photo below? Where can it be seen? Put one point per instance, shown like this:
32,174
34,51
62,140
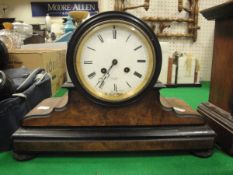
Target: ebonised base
33,141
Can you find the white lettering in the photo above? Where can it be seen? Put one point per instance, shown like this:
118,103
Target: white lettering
63,7
51,7
69,7
75,8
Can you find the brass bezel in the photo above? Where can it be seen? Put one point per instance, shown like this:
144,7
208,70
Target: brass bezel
116,97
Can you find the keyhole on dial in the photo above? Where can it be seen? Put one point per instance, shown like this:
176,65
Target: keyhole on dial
103,70
126,70
114,62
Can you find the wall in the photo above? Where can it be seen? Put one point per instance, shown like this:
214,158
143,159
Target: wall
201,49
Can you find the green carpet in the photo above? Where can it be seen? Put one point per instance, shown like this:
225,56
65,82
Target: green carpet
127,163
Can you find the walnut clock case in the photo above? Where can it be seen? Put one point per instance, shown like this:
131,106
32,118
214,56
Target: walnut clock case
114,60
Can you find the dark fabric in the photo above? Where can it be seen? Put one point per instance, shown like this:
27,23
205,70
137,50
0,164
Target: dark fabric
13,109
4,57
6,86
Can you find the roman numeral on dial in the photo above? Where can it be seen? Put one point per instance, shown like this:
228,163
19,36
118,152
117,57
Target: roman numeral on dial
114,32
128,84
91,48
128,38
88,62
115,87
141,61
137,74
138,48
100,38
91,75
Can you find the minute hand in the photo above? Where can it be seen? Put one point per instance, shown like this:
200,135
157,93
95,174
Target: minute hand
106,75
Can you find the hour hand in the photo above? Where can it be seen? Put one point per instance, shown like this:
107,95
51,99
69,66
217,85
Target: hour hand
106,75
102,79
99,81
101,85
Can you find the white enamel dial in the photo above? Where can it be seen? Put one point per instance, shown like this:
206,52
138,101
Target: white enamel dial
114,61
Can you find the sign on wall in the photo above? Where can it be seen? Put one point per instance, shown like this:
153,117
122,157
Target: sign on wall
62,8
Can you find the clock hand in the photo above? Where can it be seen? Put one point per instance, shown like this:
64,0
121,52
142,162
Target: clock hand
102,78
106,75
114,62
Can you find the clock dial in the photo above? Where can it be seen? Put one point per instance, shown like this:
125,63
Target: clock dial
115,61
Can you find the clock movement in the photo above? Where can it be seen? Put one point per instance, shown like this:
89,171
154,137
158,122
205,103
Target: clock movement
114,104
